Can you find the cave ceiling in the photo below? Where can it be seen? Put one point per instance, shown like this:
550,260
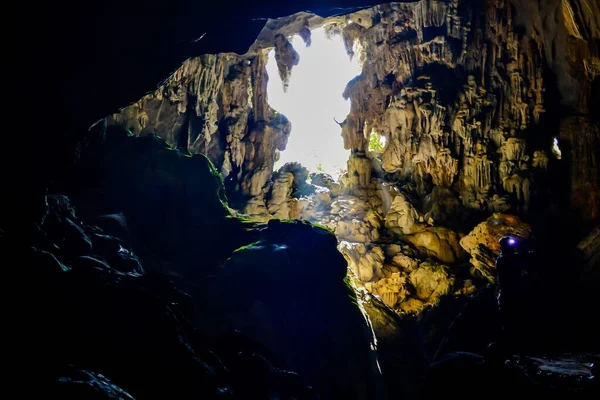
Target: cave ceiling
471,97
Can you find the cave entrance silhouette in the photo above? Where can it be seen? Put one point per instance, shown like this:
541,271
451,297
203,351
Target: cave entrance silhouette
313,100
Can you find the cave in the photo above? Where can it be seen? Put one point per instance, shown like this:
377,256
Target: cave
324,200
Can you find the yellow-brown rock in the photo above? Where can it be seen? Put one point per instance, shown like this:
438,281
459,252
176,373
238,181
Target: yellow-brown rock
431,281
440,243
483,241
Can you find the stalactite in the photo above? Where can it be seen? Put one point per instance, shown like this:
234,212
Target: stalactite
412,53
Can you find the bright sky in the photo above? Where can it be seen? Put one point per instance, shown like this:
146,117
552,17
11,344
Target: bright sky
313,99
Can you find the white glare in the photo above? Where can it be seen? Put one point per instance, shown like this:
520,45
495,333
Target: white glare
312,101
555,149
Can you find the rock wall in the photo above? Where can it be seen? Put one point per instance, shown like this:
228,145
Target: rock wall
216,105
486,107
241,276
459,89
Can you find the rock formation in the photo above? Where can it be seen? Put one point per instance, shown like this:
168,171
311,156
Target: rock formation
206,275
483,242
475,101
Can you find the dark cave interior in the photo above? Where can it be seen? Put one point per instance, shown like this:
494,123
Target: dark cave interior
156,251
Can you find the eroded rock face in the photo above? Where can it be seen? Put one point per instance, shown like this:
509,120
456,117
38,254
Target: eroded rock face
431,281
457,88
286,57
402,217
483,241
366,263
465,96
580,140
216,105
440,243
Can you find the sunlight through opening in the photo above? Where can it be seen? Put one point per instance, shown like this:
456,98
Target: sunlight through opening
312,101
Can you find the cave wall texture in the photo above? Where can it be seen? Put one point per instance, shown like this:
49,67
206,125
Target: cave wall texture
470,97
467,94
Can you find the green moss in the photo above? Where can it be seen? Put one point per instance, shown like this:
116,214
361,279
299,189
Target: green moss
323,227
350,290
245,247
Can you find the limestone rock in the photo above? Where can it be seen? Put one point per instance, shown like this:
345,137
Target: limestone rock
405,262
286,57
584,167
365,262
431,281
359,172
257,208
590,249
300,175
458,90
325,180
390,290
412,306
443,207
316,207
483,241
489,232
392,249
353,220
439,242
280,196
402,218
216,105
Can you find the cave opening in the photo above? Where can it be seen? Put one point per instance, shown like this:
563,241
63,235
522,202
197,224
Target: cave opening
313,102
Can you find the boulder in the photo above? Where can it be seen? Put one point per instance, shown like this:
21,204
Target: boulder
315,208
300,187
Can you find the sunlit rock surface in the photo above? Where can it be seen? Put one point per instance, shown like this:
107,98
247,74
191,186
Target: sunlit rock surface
482,242
487,109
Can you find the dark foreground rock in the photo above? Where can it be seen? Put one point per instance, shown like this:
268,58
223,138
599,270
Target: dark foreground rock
470,376
164,327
